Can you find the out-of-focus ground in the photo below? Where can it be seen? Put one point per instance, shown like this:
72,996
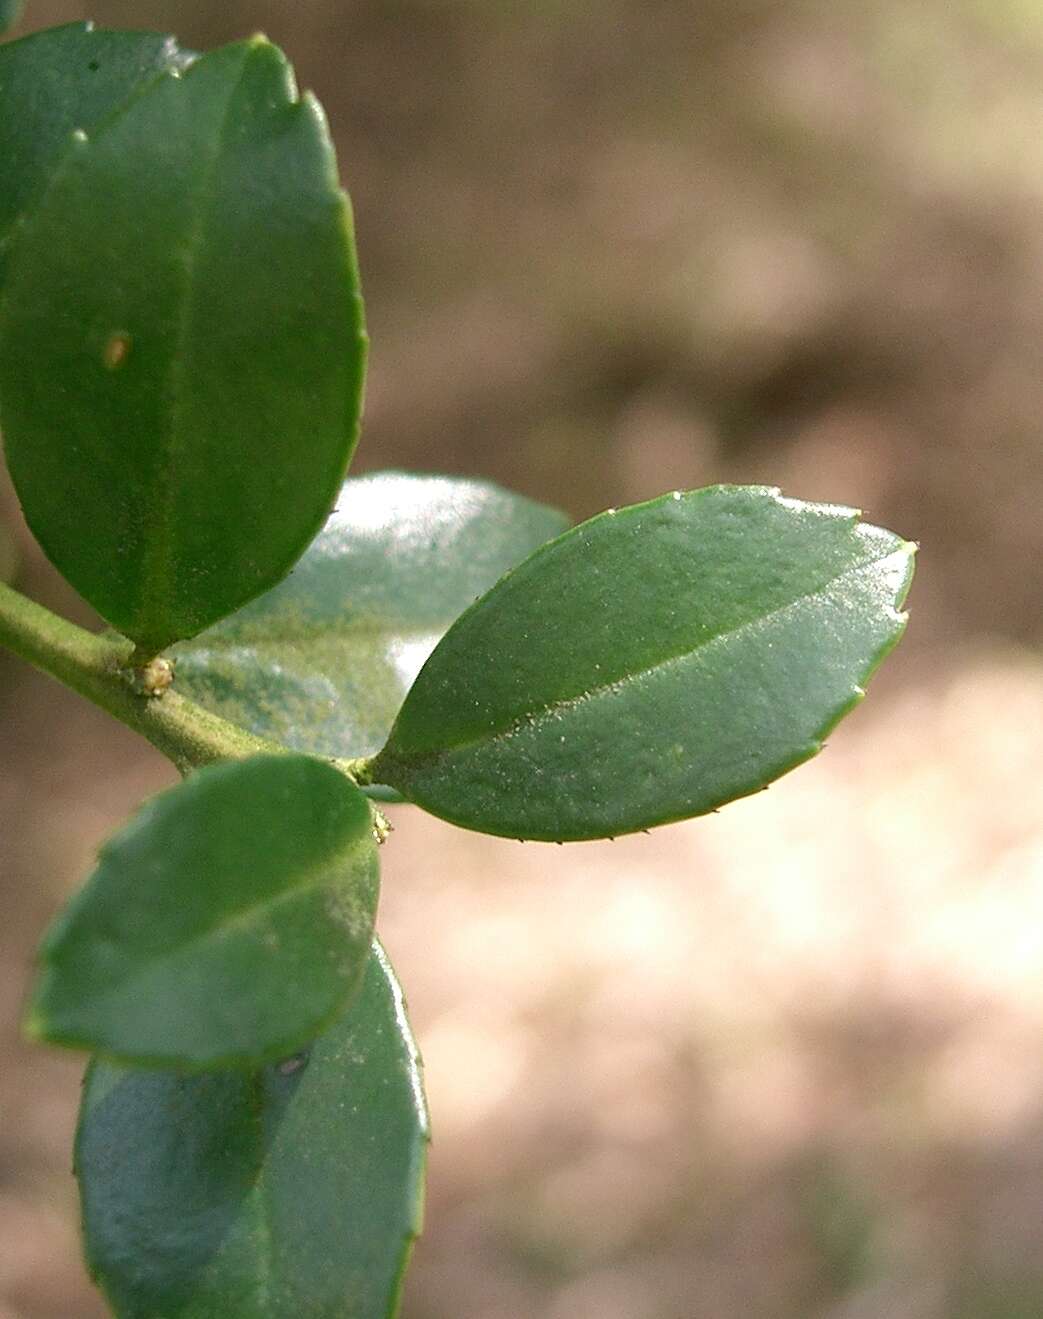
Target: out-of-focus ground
785,1062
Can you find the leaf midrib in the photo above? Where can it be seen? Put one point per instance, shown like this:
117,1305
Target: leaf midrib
157,576
409,1198
543,713
264,1275
313,878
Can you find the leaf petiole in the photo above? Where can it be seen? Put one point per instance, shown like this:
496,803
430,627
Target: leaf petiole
100,668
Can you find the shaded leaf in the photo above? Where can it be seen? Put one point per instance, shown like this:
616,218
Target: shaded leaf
650,665
293,1191
181,346
71,77
227,923
322,663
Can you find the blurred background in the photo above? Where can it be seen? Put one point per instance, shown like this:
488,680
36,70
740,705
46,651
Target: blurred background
781,1063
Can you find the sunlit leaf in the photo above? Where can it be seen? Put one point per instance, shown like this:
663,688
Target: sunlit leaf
650,665
322,663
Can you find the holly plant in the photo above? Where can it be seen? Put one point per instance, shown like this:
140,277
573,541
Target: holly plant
182,355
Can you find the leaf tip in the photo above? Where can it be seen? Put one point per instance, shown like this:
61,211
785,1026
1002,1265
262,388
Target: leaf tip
309,105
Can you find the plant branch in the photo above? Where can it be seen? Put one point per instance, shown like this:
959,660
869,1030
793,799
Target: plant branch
101,669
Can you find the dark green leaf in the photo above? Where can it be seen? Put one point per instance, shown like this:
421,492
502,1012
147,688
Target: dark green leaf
650,665
10,13
54,82
228,923
296,1191
322,663
181,346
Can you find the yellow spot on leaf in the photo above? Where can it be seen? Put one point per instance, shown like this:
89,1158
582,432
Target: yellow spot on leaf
116,351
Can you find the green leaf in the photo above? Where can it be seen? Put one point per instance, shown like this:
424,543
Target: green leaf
228,923
650,665
295,1191
181,346
323,662
10,13
71,77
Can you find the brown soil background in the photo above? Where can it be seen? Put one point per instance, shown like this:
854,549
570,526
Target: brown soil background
783,1063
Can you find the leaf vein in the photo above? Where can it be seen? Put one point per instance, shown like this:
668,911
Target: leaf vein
553,709
158,558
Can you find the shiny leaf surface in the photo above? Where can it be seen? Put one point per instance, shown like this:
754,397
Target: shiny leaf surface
322,663
296,1190
181,346
227,923
650,665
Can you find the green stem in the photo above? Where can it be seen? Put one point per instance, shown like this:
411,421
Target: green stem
101,669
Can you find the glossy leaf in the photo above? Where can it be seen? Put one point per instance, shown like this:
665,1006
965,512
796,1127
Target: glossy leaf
181,346
650,665
293,1191
54,82
323,662
229,922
